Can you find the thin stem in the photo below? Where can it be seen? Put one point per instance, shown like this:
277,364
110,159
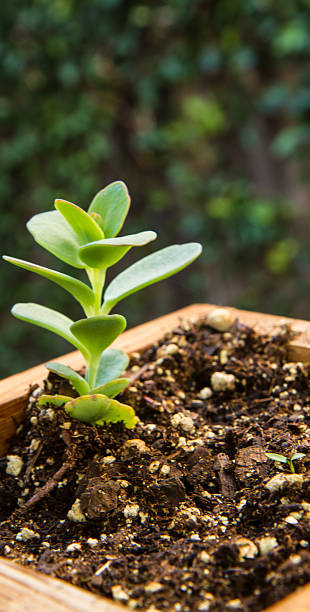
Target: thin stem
92,370
97,279
106,307
292,468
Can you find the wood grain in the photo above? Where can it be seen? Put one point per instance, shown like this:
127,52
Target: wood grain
21,589
24,590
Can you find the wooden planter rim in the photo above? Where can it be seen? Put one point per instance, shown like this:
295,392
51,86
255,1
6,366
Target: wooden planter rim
22,589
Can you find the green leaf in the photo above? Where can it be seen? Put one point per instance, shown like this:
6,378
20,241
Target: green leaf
105,253
48,319
297,456
110,207
78,382
97,333
149,270
56,400
52,232
81,292
276,457
80,221
100,410
111,365
112,388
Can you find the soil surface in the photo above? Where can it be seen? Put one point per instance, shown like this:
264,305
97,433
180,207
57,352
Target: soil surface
185,512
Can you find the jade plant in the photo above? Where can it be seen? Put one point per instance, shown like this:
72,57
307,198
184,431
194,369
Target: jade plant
87,240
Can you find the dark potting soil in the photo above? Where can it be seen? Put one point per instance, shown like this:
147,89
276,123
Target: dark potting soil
185,511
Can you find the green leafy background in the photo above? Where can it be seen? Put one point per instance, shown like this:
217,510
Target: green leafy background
202,108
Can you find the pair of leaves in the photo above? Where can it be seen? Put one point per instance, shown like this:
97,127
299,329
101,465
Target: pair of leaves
64,231
283,459
111,365
91,336
149,270
94,409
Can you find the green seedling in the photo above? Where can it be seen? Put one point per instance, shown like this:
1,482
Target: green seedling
287,460
87,240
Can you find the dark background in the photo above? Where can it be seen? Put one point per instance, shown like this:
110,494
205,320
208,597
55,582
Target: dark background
201,107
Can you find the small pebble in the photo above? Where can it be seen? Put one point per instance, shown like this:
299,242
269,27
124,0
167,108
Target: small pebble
74,546
291,520
223,357
35,443
119,594
154,466
267,544
26,534
234,604
153,587
131,510
14,465
165,470
205,557
75,513
221,319
136,444
220,381
185,422
206,603
169,349
92,542
108,460
295,559
36,393
247,548
48,415
205,393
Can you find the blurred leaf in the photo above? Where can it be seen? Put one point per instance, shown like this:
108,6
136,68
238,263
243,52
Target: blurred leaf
281,255
290,139
293,38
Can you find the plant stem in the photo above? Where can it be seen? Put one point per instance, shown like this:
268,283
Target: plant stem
97,279
92,369
291,466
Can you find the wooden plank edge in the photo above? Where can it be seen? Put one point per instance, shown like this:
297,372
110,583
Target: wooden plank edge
23,589
298,601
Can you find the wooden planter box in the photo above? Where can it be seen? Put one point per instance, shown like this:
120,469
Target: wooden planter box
22,589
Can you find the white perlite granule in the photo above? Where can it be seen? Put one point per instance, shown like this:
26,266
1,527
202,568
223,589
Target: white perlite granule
14,465
131,510
185,422
267,544
205,393
26,534
73,546
221,319
75,513
220,381
119,594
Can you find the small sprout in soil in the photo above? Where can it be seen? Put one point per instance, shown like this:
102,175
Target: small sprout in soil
287,460
87,241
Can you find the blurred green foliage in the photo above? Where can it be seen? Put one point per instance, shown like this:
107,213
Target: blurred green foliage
201,107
